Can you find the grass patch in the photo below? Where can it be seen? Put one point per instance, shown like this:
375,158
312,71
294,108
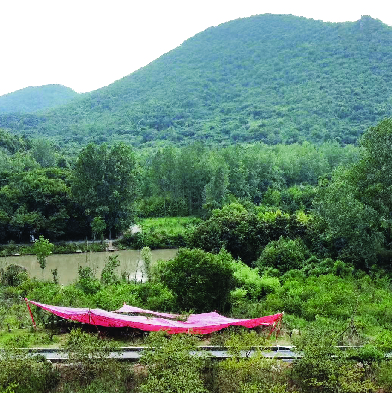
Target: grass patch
161,232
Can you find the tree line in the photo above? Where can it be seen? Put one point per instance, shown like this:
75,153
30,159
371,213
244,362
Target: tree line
44,190
343,191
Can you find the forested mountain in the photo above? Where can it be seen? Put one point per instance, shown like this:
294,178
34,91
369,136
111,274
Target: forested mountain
269,78
35,98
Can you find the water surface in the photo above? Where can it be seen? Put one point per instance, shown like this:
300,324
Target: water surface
67,264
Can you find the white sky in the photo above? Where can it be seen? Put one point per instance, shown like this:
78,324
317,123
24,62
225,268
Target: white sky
87,44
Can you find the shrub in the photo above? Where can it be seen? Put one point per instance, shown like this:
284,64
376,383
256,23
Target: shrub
283,254
88,360
152,295
171,368
108,274
247,375
325,368
232,228
13,275
383,375
26,373
201,281
87,282
316,267
254,373
155,296
256,286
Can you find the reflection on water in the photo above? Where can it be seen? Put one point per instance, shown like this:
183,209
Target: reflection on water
67,264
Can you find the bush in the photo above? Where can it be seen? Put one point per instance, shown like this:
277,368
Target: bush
283,254
151,295
88,360
26,373
171,368
200,281
108,274
244,233
155,296
256,286
247,375
87,282
316,267
383,376
254,373
13,275
232,228
325,368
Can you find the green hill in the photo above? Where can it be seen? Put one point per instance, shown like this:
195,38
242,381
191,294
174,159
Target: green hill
35,98
270,78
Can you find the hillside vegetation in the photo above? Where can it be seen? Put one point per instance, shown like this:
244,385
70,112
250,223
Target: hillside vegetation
269,78
35,98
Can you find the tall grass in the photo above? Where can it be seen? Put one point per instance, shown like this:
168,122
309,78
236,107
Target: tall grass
162,232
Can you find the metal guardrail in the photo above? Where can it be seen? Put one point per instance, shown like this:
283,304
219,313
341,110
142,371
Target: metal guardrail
133,354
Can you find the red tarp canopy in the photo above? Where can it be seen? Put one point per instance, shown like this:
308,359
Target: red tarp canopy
196,323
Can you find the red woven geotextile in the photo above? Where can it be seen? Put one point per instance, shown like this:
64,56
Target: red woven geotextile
196,323
137,310
76,314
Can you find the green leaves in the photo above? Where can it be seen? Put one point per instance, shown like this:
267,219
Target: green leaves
200,281
171,366
270,78
42,249
283,254
105,183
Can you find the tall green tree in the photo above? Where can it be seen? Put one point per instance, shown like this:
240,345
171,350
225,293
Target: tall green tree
352,227
355,208
42,249
106,183
373,173
215,191
98,226
38,201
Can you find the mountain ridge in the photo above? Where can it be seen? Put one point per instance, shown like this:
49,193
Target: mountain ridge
270,78
36,98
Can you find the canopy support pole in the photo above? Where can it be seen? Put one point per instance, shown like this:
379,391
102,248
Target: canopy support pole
31,314
277,325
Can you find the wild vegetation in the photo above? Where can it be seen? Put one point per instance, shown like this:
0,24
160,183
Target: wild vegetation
251,165
302,229
33,99
269,78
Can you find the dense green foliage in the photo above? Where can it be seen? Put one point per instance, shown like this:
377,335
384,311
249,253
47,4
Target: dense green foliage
283,255
195,179
200,281
333,200
338,310
39,202
105,184
26,374
33,99
42,249
244,233
46,192
270,78
302,228
172,368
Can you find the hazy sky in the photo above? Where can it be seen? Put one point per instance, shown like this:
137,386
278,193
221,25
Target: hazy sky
87,44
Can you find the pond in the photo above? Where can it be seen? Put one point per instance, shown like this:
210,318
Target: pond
67,264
